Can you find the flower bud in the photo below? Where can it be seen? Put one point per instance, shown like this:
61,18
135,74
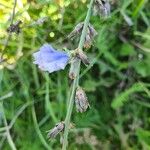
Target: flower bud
80,54
81,100
88,41
102,7
73,69
91,33
59,127
77,30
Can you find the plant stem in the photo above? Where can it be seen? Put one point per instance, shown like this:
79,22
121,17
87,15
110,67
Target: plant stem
76,80
9,138
9,35
43,141
48,104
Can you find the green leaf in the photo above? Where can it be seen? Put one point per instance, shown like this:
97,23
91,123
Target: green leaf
90,85
124,96
127,49
143,67
143,136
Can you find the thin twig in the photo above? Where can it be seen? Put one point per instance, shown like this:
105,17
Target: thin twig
9,34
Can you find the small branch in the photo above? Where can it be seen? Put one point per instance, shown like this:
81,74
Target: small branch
13,13
9,35
76,80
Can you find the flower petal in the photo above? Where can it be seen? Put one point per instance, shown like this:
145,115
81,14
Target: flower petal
49,59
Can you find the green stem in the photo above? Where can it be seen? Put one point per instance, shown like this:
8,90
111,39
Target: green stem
9,138
38,130
76,80
48,104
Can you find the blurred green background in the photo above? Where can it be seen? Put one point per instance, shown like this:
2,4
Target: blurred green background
117,83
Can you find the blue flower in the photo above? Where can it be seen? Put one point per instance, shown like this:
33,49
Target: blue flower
49,59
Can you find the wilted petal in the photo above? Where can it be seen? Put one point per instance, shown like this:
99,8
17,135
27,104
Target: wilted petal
49,59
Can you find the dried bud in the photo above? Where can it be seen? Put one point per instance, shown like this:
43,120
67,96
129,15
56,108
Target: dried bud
59,127
73,69
80,54
77,30
102,7
91,33
88,41
81,100
15,27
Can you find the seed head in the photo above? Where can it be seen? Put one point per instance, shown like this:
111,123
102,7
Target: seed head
76,31
102,8
91,33
73,69
59,127
81,100
80,54
77,55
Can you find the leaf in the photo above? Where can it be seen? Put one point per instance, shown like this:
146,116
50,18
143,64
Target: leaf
143,135
126,50
90,85
143,67
127,18
111,58
124,96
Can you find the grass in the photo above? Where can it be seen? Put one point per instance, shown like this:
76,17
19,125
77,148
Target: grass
34,101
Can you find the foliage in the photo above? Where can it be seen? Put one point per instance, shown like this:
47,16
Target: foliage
119,72
124,96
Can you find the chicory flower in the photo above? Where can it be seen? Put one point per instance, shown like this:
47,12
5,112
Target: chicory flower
49,59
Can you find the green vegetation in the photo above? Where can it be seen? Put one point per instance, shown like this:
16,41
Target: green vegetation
117,82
